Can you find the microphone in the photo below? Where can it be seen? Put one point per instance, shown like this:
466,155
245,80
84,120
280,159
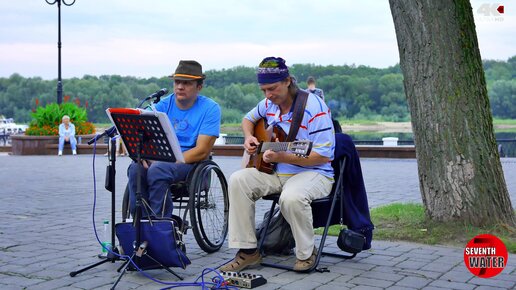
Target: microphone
110,132
157,94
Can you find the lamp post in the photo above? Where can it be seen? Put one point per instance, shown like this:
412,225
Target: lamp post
59,82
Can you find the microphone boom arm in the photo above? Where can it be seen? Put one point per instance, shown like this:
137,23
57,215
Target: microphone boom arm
109,132
156,95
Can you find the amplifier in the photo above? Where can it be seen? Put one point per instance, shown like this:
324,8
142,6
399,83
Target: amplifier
243,280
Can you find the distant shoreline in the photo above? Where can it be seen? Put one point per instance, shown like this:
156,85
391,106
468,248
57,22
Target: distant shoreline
400,127
380,127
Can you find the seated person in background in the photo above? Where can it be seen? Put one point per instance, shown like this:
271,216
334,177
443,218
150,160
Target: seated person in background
67,135
310,82
196,121
299,180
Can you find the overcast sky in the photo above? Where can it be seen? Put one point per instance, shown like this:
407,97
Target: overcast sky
148,38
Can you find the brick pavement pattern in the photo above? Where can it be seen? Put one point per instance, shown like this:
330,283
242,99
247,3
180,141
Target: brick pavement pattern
46,232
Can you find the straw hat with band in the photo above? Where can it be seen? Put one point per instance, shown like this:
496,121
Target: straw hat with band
188,70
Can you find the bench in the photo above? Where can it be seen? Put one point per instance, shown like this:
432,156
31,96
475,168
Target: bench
51,149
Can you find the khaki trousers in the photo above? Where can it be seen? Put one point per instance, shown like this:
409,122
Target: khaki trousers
248,185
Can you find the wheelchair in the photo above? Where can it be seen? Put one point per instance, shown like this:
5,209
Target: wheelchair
203,196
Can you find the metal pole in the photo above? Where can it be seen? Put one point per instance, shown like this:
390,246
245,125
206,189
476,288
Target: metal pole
59,80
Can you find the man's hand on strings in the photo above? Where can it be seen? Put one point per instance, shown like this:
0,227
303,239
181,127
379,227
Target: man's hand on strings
251,144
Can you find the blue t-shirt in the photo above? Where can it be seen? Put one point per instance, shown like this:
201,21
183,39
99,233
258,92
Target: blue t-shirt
316,126
203,118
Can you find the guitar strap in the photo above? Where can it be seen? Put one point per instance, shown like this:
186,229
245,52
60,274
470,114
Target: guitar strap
297,114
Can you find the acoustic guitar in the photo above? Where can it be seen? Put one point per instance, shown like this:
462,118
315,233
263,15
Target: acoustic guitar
266,136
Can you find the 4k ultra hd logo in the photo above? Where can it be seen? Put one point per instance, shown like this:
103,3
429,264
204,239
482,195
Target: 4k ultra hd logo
491,12
485,256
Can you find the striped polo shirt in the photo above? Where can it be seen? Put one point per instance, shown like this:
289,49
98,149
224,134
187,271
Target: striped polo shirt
316,126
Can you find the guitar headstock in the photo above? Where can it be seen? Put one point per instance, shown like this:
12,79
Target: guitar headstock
301,148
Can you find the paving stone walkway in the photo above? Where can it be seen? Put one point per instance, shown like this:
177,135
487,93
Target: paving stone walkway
46,232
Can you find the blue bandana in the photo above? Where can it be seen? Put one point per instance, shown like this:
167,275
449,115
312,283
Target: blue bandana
272,70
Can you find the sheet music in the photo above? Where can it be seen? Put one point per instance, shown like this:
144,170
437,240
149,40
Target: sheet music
169,132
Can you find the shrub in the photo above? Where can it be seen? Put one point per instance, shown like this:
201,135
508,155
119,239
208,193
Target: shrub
46,120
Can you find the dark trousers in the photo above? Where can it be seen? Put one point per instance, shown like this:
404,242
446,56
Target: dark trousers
154,185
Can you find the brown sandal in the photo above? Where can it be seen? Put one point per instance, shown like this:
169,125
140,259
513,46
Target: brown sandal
304,265
242,261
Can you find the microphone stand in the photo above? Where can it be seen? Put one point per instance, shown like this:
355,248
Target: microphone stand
110,186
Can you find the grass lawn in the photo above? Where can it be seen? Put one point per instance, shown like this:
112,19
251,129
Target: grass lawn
407,222
504,122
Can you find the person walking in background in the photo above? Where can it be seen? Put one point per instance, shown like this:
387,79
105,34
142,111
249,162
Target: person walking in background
310,82
120,147
67,135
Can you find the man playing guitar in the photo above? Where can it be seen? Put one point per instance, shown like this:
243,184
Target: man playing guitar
299,179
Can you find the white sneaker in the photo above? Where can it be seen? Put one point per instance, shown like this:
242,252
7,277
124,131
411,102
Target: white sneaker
74,152
60,153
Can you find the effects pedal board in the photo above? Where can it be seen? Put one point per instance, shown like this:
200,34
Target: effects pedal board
243,280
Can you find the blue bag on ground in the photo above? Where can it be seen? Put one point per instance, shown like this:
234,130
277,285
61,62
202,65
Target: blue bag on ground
164,243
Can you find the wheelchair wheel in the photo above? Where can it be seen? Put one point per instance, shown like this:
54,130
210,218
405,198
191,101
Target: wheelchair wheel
209,206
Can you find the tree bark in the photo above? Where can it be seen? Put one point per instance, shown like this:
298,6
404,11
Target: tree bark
460,173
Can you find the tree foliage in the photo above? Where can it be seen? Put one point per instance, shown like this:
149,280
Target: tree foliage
351,91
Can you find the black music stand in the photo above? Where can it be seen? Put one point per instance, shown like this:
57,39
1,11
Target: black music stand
112,253
147,135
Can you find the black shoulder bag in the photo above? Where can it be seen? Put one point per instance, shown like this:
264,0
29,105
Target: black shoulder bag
348,240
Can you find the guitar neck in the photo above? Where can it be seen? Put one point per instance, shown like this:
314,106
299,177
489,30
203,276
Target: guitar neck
275,146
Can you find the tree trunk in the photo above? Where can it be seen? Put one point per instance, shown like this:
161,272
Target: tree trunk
460,173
